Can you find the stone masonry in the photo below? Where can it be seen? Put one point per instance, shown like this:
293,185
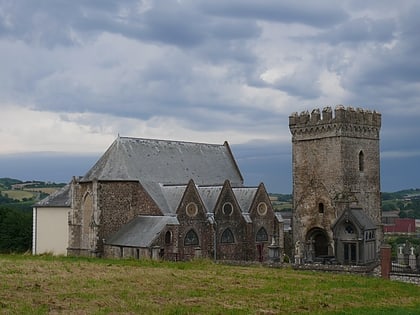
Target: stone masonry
335,166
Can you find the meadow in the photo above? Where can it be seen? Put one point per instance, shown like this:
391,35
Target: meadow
65,285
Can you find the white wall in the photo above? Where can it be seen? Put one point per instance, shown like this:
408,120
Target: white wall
50,233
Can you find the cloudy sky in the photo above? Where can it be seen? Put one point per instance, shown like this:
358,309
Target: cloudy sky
75,74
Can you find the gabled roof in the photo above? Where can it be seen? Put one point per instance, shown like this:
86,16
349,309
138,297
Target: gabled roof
60,198
244,196
173,195
209,195
166,162
356,216
141,231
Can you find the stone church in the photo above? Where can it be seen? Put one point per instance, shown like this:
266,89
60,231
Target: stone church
164,200
336,185
181,200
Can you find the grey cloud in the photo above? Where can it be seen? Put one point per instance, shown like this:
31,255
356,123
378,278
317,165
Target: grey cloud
358,31
176,23
313,13
197,60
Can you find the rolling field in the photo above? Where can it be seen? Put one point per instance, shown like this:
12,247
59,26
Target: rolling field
60,285
18,194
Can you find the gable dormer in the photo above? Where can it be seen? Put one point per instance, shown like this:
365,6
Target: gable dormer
191,207
227,207
261,204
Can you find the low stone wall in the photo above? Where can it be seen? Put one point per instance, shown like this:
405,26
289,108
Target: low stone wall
371,270
408,278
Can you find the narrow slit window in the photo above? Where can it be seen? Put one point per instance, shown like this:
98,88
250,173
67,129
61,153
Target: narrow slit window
321,207
168,237
361,161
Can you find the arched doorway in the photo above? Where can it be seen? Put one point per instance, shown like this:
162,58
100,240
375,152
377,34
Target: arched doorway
318,242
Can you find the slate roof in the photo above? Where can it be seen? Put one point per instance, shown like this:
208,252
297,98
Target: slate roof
359,217
209,196
166,162
170,196
60,198
141,231
363,219
245,196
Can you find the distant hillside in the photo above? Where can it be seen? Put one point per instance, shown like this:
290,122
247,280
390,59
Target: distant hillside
14,191
281,202
413,193
6,183
406,202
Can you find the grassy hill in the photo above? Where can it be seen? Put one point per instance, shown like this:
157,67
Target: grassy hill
45,285
19,191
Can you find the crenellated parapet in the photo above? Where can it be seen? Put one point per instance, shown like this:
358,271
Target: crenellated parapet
342,122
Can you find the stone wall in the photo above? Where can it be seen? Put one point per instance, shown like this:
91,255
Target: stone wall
408,278
335,161
198,222
119,203
100,209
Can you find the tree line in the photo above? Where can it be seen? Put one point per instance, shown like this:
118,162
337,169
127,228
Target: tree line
15,230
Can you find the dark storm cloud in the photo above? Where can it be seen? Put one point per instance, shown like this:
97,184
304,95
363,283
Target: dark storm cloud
159,86
215,65
168,22
390,74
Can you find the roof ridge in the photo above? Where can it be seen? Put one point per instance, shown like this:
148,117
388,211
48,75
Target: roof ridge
167,140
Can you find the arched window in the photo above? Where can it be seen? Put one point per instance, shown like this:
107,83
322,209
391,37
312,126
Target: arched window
262,235
349,229
168,237
227,236
361,161
321,207
191,238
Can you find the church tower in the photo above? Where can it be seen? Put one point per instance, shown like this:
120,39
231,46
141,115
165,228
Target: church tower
336,184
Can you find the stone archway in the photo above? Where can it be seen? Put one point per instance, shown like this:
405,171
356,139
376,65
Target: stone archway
318,242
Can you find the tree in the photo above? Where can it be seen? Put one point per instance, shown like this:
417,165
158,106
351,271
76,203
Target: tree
15,230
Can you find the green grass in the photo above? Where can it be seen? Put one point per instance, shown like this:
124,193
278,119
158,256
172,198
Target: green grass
281,205
18,194
66,285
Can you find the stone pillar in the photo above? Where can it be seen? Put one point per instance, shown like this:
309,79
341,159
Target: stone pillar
385,261
298,254
274,250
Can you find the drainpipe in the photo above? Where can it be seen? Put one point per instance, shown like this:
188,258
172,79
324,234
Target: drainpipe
212,221
215,241
34,230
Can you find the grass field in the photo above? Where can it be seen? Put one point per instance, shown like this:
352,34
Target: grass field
18,194
47,190
60,285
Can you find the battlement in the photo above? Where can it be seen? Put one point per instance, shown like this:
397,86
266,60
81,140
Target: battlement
343,121
348,115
